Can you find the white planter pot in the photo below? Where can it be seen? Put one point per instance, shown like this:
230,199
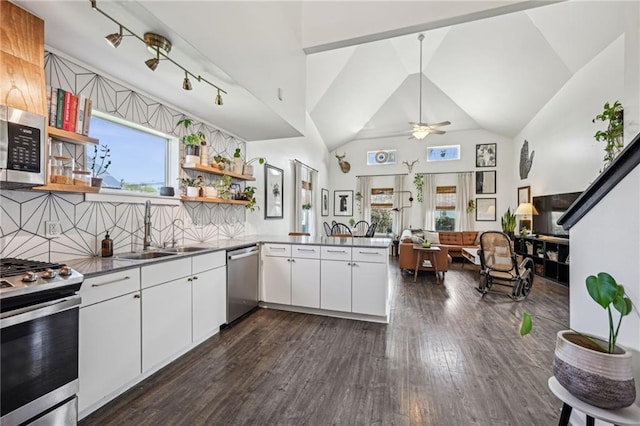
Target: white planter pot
192,159
598,378
247,170
238,164
210,192
193,191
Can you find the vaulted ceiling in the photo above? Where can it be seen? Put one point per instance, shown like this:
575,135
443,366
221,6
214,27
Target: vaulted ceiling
352,66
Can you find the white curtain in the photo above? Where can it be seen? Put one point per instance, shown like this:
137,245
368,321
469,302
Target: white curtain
363,186
429,201
464,193
315,201
297,196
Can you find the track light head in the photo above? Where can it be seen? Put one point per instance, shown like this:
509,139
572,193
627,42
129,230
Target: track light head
218,100
115,38
152,63
186,84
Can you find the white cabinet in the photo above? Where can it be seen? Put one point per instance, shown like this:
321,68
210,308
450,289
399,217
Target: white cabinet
166,310
291,274
209,294
109,351
335,285
369,288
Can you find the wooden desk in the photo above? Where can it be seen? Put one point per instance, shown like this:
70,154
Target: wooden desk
624,416
430,252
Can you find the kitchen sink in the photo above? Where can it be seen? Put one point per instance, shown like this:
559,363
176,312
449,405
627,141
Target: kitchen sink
144,255
184,249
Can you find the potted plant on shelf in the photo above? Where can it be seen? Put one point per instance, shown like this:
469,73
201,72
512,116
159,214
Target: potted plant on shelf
508,222
224,187
211,190
99,163
595,370
220,162
248,167
613,115
238,164
249,194
191,141
192,186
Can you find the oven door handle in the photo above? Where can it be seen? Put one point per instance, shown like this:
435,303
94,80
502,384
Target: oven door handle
29,313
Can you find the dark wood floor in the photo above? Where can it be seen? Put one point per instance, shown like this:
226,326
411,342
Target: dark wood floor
447,357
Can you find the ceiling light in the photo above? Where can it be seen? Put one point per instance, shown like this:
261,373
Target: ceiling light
218,100
186,84
115,38
160,46
153,62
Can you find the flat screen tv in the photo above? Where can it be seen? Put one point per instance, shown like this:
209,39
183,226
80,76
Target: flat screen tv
550,208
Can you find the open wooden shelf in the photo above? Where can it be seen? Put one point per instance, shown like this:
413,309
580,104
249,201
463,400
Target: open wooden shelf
70,137
54,187
216,171
213,200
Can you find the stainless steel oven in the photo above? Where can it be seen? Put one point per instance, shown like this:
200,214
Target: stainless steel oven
39,314
22,148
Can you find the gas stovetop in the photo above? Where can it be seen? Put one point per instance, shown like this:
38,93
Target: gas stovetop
20,277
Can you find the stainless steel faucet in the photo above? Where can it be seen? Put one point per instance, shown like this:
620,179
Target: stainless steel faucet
147,226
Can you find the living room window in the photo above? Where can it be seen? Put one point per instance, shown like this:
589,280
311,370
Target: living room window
381,209
445,208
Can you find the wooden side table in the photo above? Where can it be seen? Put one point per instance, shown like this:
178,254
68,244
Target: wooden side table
628,416
420,257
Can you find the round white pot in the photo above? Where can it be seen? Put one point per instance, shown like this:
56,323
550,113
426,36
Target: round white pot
210,191
598,378
193,191
192,159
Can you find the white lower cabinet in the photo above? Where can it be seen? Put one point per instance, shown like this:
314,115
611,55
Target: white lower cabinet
209,294
109,339
276,272
335,285
369,288
166,321
291,275
305,282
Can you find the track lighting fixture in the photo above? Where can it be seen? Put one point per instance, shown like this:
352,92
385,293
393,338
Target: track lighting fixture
115,38
160,46
186,84
153,62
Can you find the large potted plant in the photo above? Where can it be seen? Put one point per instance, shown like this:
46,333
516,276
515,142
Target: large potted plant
191,141
508,222
99,163
613,115
595,370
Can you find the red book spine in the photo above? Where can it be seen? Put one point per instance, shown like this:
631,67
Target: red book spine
73,113
66,115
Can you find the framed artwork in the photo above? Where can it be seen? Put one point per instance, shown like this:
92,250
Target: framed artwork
524,194
486,155
343,203
485,209
486,182
381,157
324,211
443,153
273,189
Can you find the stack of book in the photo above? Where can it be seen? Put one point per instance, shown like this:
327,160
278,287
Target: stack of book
68,111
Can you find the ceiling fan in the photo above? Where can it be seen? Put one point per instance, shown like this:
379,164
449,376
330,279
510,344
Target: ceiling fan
420,130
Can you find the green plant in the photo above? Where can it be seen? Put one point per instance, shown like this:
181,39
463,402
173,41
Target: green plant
261,160
471,206
508,222
99,163
306,206
418,181
613,115
237,153
606,292
221,159
249,194
189,182
352,222
193,138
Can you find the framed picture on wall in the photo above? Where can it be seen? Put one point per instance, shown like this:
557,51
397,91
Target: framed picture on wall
324,208
524,194
486,155
486,182
485,209
273,192
343,203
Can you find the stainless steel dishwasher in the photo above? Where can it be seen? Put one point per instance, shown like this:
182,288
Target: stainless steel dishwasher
242,281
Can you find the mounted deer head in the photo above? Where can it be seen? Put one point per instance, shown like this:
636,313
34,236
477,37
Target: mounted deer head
344,165
410,165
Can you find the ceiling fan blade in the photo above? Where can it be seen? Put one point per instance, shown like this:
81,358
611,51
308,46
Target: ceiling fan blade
437,132
443,123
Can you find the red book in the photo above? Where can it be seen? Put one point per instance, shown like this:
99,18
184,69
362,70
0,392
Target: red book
73,113
66,114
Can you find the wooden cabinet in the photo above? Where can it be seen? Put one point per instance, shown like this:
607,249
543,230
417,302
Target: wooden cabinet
209,294
550,256
291,274
109,339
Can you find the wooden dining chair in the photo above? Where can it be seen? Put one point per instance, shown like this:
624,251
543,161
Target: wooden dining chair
360,228
371,231
327,229
341,230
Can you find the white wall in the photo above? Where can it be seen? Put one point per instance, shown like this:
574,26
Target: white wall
411,149
310,150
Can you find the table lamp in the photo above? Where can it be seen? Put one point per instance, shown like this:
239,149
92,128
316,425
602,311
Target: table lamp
525,210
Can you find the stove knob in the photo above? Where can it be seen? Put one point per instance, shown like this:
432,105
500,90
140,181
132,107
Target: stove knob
30,277
65,271
49,274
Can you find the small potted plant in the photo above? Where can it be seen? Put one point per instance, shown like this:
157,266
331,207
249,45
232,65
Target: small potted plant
211,190
224,185
238,164
192,186
306,206
99,163
220,162
192,141
508,222
249,194
248,167
594,370
352,222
